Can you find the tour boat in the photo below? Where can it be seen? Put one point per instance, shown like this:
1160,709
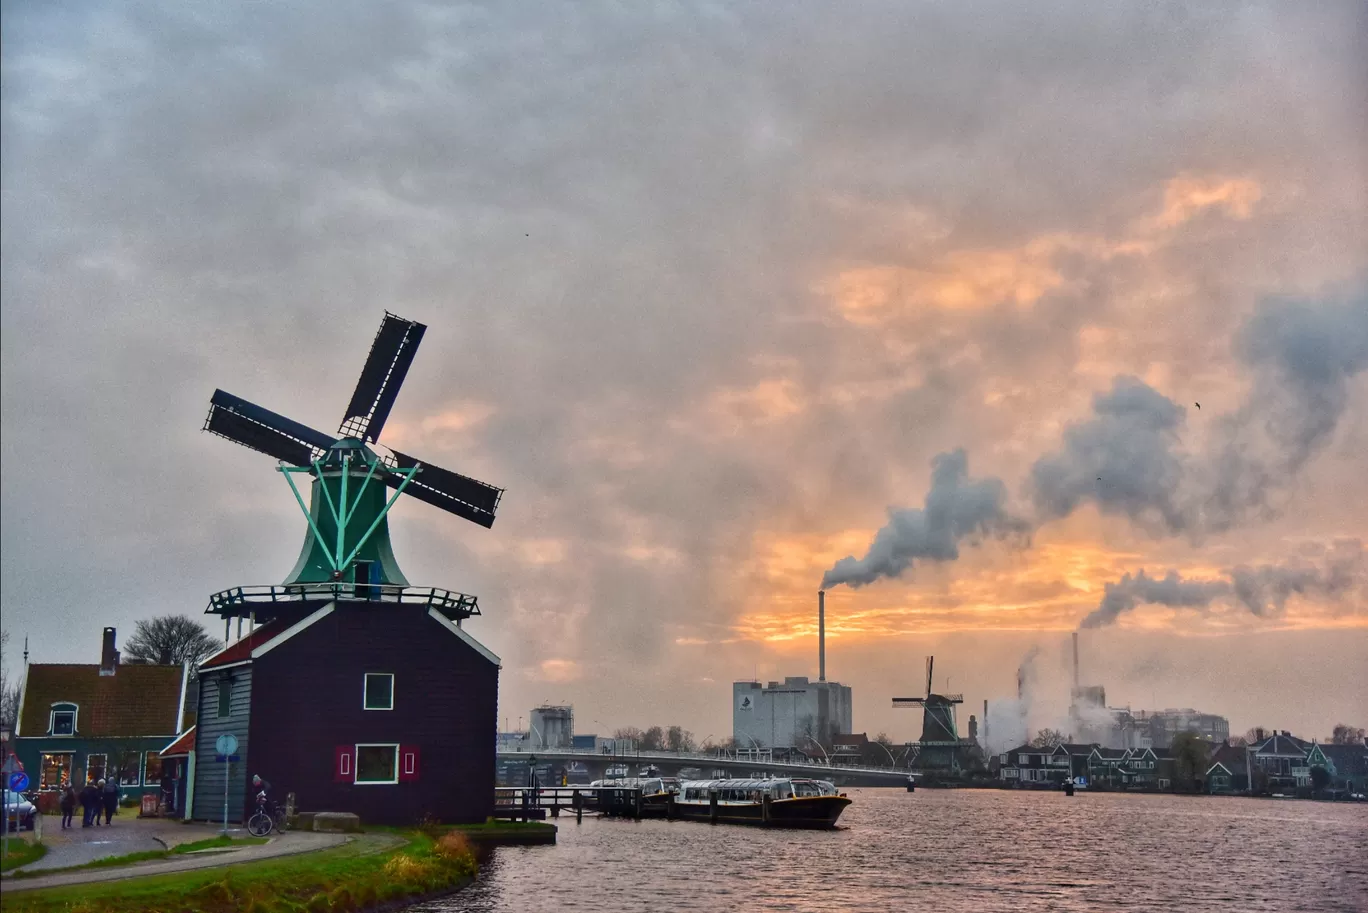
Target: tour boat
655,792
782,802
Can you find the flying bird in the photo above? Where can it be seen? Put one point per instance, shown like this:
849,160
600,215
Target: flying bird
1198,405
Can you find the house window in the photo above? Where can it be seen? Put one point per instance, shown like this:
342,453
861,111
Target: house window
379,691
377,763
129,768
63,719
152,769
225,697
56,768
95,767
1023,759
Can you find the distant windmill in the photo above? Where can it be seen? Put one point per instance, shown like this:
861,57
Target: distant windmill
348,538
938,712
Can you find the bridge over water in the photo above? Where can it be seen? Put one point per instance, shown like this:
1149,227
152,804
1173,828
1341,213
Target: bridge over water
671,762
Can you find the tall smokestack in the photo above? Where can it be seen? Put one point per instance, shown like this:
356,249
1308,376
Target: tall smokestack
985,722
821,635
1075,648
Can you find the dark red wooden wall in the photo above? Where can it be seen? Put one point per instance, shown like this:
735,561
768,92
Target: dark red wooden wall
307,704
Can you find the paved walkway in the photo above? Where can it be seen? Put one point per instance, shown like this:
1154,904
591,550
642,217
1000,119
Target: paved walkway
78,846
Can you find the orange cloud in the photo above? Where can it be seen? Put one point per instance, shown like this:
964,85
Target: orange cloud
1186,196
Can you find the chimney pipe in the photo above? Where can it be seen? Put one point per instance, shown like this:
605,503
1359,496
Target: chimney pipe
109,657
1075,651
821,635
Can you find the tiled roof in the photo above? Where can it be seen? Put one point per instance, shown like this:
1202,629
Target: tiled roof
183,745
241,650
136,700
1078,748
1282,746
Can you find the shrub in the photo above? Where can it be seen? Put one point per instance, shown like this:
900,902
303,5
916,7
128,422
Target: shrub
429,826
453,847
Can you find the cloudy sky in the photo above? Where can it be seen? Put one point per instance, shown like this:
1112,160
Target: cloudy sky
732,300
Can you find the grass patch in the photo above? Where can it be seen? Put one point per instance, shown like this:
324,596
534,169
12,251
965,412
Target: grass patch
147,855
344,879
21,852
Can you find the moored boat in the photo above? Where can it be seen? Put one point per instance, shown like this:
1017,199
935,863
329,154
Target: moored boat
783,802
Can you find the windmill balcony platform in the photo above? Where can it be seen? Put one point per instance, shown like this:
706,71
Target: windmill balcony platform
265,601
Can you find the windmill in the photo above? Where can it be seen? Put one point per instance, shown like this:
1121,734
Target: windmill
938,722
347,548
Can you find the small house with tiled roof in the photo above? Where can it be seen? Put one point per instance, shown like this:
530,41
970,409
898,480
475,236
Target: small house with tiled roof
85,722
1229,769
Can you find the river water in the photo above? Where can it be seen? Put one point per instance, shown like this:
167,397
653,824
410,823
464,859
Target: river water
950,851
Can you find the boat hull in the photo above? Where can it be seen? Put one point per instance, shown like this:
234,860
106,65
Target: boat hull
813,812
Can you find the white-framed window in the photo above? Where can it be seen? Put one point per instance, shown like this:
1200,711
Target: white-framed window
152,768
377,764
130,769
56,768
378,691
63,720
1023,759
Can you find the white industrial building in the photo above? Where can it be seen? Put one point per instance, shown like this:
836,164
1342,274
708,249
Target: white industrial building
789,714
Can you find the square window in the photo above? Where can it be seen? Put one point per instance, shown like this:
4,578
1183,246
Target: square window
379,691
130,768
63,722
56,768
377,763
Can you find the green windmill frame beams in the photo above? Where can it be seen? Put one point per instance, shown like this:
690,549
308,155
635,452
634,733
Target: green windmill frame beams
343,509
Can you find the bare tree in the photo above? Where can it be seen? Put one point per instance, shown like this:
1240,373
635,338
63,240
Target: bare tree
628,732
1191,756
653,739
1048,738
1347,735
677,738
169,640
883,739
9,691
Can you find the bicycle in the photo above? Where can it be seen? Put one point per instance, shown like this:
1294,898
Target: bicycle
266,818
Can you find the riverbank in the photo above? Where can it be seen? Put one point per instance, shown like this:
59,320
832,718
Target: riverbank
371,871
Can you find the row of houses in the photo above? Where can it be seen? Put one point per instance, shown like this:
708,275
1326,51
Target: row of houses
1279,761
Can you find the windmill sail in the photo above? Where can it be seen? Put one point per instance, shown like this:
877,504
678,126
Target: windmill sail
388,362
461,495
265,431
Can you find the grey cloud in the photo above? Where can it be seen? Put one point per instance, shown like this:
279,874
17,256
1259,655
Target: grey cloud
956,509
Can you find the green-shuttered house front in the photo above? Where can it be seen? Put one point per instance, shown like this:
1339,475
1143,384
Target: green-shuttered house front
85,722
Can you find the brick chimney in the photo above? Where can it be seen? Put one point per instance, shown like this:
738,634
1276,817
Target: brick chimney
109,657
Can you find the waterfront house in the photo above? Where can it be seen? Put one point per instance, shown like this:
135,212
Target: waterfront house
1078,754
1347,765
1229,769
1110,767
86,722
1282,757
1029,766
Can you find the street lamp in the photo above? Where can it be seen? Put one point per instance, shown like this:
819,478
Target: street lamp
825,756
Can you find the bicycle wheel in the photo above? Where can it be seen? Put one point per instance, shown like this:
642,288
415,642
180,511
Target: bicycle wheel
260,824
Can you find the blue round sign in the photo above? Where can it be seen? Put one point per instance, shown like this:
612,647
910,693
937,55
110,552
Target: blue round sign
18,781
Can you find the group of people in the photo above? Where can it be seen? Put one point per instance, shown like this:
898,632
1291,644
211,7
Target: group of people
98,797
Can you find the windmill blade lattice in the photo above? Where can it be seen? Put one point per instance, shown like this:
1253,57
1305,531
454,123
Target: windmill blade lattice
265,431
391,354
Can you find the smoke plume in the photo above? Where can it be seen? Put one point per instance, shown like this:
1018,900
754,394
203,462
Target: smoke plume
956,508
1263,590
1171,590
1127,459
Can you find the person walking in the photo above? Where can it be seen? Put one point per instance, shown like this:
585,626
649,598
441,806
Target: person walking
90,803
68,803
111,799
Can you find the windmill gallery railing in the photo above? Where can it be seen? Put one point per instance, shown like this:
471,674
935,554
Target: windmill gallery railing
245,599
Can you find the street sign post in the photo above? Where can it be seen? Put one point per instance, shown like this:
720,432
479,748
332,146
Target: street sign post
226,745
12,777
